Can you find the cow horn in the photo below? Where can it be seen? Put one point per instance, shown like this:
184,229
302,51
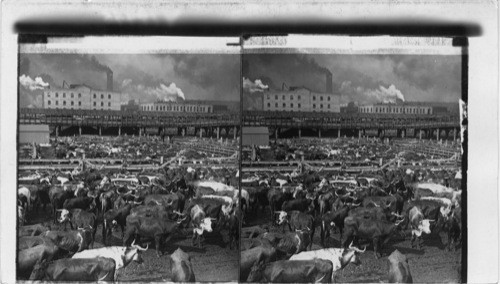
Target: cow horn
181,220
399,222
141,249
133,243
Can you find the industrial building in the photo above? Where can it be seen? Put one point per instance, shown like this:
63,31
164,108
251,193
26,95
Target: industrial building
301,100
405,108
181,106
81,97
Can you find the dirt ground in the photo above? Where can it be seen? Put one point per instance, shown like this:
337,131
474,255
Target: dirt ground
214,262
431,264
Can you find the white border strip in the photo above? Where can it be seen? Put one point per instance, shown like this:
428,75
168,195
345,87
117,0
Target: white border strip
136,45
351,45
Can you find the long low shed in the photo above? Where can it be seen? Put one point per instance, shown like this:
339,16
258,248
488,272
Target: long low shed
255,136
37,133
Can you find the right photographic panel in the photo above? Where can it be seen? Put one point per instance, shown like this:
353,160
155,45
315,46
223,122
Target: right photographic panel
354,159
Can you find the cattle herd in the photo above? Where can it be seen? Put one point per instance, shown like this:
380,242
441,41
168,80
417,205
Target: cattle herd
92,222
312,224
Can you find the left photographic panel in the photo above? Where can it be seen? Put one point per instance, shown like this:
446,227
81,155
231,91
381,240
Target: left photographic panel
128,159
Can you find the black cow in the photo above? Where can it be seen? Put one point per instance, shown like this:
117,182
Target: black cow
159,229
276,198
70,241
377,231
79,218
293,271
115,217
75,269
298,221
57,197
333,219
85,203
303,205
250,257
27,258
294,242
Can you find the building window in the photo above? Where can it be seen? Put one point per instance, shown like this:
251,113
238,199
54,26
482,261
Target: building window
102,96
298,97
298,105
64,103
95,104
328,98
64,95
328,106
72,103
275,97
291,97
268,104
102,103
72,96
95,96
321,98
109,104
57,95
314,98
284,105
109,96
48,102
268,96
276,105
314,105
79,95
291,105
79,103
321,106
283,97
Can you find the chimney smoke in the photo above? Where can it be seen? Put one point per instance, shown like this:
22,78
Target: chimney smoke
110,80
329,88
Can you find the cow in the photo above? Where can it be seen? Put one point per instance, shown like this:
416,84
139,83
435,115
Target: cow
57,198
418,225
399,270
85,203
333,219
161,230
276,198
96,269
200,224
248,258
70,241
254,231
339,257
303,205
21,217
26,194
378,231
292,271
297,221
115,217
451,226
122,256
27,258
181,268
79,218
294,242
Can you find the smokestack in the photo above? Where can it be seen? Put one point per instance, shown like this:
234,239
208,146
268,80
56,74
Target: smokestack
110,80
329,88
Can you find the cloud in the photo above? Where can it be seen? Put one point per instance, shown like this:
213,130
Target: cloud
166,93
253,87
32,85
163,92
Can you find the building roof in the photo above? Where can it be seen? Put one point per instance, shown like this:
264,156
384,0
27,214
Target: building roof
255,130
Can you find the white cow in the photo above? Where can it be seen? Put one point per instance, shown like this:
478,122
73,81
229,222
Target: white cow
24,191
339,257
121,255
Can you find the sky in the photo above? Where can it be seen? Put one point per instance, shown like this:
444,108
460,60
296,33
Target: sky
358,78
144,77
